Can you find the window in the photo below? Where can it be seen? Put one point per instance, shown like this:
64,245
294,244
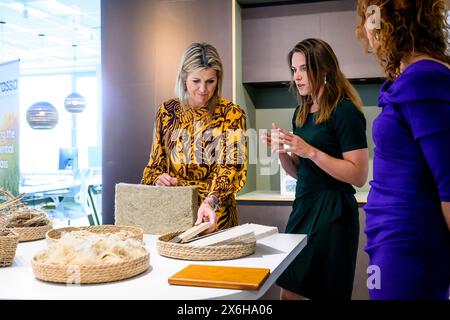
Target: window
39,149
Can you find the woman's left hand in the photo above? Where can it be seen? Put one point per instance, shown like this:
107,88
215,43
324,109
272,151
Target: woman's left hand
206,213
296,145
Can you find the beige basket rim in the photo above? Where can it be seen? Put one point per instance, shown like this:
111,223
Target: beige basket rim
11,233
206,253
95,273
55,234
31,233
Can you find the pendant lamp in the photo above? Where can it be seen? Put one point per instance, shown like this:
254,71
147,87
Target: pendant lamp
75,102
42,115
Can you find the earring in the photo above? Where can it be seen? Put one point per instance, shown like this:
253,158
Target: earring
377,36
325,80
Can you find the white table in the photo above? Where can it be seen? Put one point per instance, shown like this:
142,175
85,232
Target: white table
275,252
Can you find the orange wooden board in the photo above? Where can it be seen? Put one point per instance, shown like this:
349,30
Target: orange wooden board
241,278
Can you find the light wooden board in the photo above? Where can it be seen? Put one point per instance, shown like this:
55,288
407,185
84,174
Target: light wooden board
241,278
237,234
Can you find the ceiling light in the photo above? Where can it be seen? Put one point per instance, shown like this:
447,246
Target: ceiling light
42,115
75,102
25,10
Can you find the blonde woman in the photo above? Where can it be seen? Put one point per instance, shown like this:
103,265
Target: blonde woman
328,154
200,139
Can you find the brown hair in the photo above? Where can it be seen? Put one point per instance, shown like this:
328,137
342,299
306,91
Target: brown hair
321,62
406,27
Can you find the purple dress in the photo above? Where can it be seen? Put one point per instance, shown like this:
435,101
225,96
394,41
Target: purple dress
408,240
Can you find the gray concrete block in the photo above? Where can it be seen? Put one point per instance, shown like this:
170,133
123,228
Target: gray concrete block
157,210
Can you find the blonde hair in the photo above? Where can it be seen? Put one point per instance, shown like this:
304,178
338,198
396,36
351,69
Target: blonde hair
406,27
199,56
321,65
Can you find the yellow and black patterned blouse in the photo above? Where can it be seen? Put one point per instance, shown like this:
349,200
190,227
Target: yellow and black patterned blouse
197,149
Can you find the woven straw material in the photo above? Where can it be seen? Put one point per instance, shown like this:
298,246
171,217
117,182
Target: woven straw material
80,274
3,220
147,207
31,233
207,253
136,232
12,203
8,245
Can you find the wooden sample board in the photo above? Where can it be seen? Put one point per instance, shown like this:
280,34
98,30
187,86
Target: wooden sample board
241,278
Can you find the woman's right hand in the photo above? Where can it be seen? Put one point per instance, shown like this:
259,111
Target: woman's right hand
166,180
206,213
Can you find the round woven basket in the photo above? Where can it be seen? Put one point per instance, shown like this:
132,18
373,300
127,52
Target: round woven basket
14,204
31,233
8,245
135,232
207,253
80,274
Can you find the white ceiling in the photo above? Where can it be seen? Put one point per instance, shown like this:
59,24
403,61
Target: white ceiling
64,23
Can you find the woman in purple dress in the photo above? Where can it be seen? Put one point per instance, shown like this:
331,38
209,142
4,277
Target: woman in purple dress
408,208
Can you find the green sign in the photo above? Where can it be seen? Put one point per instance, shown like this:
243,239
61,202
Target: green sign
9,126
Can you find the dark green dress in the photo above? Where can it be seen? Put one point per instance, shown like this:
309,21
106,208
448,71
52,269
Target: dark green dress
326,210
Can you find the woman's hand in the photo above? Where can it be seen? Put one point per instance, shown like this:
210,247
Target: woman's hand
166,180
206,213
289,163
271,138
295,144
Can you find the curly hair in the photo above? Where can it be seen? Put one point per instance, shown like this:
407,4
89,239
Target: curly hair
406,27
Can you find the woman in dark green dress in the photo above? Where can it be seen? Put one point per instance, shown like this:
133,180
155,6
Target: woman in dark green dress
327,154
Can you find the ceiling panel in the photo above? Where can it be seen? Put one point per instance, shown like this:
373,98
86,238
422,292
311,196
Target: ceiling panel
64,23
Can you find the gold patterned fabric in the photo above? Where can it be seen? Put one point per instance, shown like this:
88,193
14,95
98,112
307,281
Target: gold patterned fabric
197,149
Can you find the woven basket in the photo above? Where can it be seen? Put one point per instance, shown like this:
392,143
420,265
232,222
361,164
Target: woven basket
3,220
11,203
136,232
8,245
79,274
14,204
31,233
207,253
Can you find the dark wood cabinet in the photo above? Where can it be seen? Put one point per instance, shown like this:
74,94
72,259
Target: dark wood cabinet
269,32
